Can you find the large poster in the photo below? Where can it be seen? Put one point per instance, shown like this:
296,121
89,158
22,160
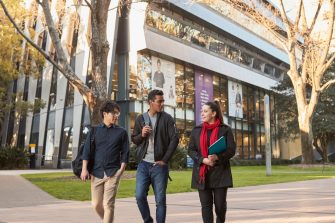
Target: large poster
235,99
163,78
203,92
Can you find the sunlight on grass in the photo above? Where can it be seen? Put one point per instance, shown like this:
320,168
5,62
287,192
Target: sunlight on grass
68,187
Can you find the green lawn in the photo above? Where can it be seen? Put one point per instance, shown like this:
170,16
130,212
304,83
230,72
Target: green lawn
65,186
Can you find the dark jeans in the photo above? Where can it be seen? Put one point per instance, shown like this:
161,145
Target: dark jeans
218,195
147,174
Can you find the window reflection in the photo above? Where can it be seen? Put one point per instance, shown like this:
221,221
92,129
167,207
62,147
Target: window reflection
248,131
181,27
143,77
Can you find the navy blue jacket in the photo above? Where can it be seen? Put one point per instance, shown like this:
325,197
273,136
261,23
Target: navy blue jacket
111,149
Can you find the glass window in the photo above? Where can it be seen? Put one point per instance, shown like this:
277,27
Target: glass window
233,53
49,145
180,100
224,95
143,85
278,73
261,107
213,45
246,59
269,69
257,104
252,141
69,96
216,88
188,30
132,85
115,79
251,107
66,150
245,101
222,48
257,64
189,98
180,93
239,147
189,91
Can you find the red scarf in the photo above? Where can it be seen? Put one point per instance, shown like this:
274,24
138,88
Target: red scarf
204,146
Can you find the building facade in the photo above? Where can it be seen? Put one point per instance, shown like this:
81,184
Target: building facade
193,52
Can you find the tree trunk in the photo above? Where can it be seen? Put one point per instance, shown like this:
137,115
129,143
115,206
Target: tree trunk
324,141
322,148
306,141
99,49
95,112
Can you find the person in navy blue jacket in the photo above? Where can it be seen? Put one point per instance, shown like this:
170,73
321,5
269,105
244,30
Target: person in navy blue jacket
110,160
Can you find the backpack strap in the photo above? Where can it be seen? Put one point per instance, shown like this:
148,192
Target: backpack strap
92,139
146,118
92,135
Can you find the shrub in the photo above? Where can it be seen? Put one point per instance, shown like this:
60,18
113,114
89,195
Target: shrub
178,160
132,163
261,162
13,158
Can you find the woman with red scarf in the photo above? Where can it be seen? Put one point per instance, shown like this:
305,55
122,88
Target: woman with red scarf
211,173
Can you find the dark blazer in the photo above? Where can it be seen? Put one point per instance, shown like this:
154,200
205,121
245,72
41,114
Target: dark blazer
166,137
219,175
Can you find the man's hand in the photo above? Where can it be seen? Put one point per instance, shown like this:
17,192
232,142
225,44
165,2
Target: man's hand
121,170
85,175
146,130
160,163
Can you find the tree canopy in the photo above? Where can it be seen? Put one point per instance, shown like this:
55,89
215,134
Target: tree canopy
310,50
13,61
323,122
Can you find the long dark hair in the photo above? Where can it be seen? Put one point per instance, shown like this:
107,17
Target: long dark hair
215,106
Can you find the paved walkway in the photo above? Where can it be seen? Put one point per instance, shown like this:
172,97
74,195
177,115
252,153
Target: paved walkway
299,202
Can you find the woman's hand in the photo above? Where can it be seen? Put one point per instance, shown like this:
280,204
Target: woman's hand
208,162
213,157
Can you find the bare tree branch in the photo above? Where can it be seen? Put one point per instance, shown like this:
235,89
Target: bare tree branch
89,5
327,85
330,31
285,20
304,25
64,69
297,18
316,15
18,29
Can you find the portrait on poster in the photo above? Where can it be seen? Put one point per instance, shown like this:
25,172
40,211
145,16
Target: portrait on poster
235,99
163,78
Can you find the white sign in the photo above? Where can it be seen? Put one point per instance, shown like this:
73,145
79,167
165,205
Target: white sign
235,99
163,78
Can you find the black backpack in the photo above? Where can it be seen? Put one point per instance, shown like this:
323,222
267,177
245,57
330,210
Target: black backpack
77,164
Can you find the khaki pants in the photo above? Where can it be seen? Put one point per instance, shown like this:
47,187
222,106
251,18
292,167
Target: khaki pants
103,196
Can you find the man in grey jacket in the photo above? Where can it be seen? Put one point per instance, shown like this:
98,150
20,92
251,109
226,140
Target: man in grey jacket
156,139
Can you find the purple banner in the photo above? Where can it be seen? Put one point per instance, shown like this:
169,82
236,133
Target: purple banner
203,92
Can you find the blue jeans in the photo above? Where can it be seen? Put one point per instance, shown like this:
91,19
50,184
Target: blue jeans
157,175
